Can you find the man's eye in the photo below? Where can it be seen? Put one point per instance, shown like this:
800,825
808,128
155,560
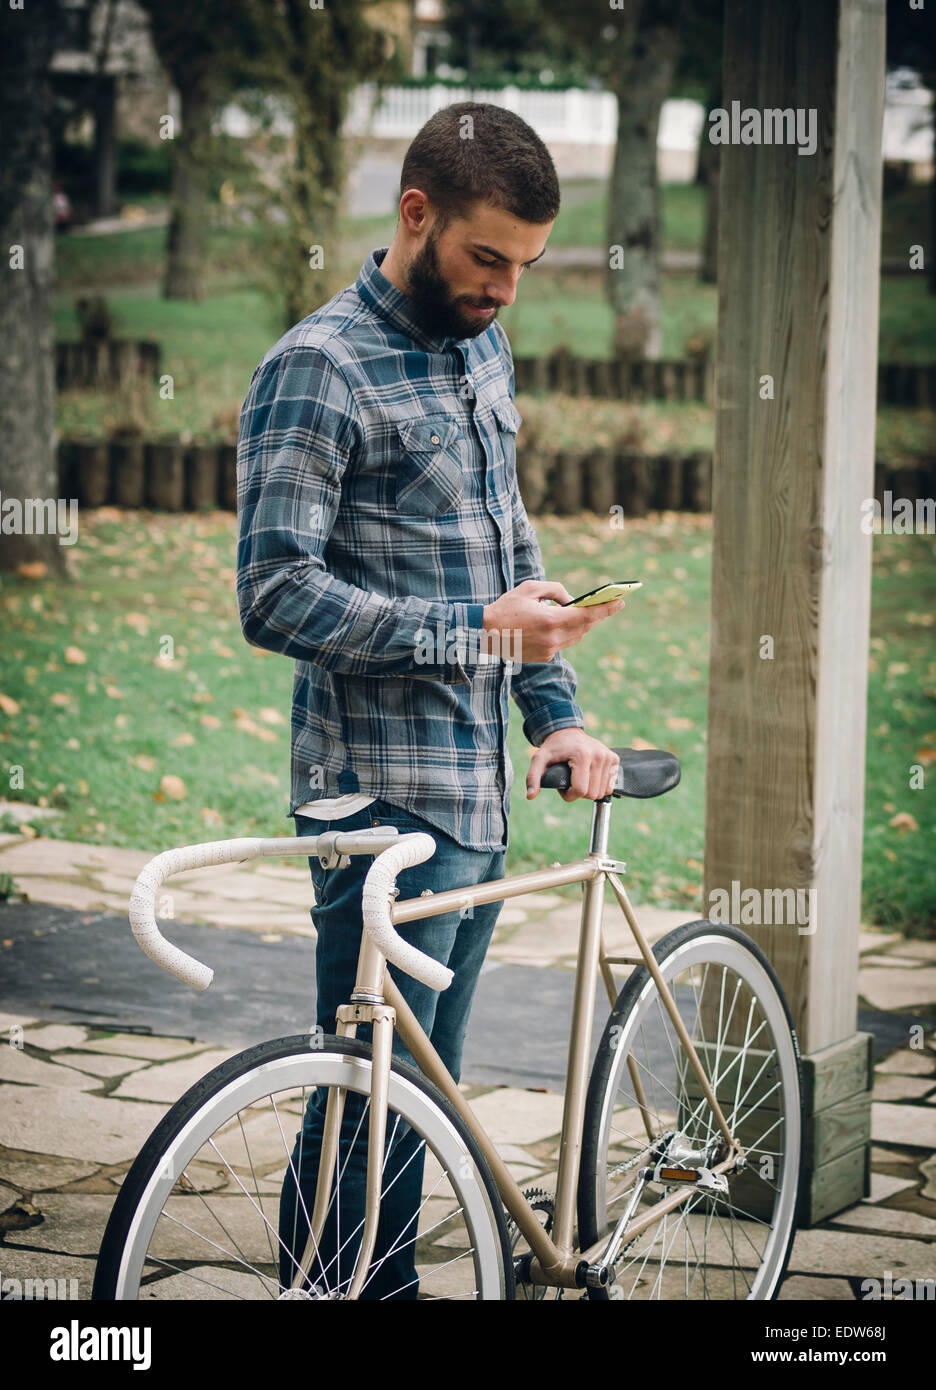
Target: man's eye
481,261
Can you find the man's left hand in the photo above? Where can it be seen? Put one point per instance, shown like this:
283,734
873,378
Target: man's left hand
594,766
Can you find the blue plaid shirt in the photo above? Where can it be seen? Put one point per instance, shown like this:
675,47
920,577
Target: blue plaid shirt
378,512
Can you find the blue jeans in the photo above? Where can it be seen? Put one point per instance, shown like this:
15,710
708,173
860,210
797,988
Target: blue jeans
458,941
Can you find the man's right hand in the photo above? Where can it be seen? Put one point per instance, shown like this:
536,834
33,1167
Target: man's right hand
545,629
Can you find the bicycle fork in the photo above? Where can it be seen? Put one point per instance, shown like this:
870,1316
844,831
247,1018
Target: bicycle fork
382,1017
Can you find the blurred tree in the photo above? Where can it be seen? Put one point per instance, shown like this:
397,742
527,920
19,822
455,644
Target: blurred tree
27,351
699,75
197,45
630,48
310,60
911,42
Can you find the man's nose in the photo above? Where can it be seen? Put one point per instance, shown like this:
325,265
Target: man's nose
504,289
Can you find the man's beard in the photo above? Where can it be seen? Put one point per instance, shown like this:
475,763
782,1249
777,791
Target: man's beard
439,313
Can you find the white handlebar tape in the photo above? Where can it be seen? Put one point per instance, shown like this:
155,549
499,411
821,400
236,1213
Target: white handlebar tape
376,903
176,861
149,881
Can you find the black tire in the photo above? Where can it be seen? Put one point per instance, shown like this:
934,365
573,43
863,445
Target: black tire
147,1180
592,1222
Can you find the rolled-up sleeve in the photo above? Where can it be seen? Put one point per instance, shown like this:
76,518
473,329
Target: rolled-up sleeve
299,432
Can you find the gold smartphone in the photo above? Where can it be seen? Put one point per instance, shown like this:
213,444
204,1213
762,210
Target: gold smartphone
607,593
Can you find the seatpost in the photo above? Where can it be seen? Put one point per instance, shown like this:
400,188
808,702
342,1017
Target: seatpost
601,824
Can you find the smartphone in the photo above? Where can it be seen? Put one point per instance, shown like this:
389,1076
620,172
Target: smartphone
607,593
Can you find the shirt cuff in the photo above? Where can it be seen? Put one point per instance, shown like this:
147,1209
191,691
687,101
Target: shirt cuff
560,714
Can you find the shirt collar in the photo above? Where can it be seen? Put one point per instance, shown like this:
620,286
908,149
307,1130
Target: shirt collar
395,306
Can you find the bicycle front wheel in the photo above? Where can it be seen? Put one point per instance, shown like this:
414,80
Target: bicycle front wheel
218,1203
645,1104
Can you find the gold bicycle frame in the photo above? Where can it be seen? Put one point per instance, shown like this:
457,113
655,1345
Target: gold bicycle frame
377,1000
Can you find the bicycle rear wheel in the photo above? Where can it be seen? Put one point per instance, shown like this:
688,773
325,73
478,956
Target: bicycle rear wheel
201,1212
643,1093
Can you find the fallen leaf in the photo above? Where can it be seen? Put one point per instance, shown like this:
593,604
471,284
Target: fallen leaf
211,721
9,705
903,821
113,692
677,721
173,786
60,698
209,816
144,762
272,716
641,743
75,656
182,740
31,569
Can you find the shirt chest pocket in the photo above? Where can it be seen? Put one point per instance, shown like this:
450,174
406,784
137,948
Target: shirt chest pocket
432,463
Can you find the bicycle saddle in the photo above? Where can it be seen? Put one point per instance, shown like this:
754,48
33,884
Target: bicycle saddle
643,772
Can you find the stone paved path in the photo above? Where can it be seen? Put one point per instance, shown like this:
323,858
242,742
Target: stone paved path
76,1103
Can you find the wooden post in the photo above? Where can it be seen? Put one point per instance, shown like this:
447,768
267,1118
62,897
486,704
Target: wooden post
227,467
129,472
798,278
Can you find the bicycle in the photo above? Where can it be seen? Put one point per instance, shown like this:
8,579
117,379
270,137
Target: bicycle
679,1161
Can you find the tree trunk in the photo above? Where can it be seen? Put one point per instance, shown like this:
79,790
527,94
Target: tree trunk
189,204
28,467
633,203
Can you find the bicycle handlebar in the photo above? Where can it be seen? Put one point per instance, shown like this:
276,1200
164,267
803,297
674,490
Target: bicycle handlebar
175,861
377,898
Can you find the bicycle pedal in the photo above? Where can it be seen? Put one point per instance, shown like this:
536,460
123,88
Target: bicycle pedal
703,1178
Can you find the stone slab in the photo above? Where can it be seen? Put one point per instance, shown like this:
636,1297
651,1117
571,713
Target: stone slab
883,1185
920,950
877,1218
73,1124
913,1125
73,1277
99,1063
54,1036
170,1080
898,989
908,1062
18,1066
42,1172
861,1255
8,1021
72,1222
139,1045
519,1117
803,1288
903,1087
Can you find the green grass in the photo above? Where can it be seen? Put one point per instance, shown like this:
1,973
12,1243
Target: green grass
96,737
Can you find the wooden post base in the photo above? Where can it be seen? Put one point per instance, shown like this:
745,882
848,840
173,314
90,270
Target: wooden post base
837,1150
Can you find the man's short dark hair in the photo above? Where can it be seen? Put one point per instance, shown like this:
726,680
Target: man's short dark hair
493,157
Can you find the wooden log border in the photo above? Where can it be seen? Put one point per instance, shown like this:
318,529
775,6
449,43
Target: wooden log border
104,364
693,379
167,475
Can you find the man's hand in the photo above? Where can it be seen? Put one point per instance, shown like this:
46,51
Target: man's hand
594,766
544,628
